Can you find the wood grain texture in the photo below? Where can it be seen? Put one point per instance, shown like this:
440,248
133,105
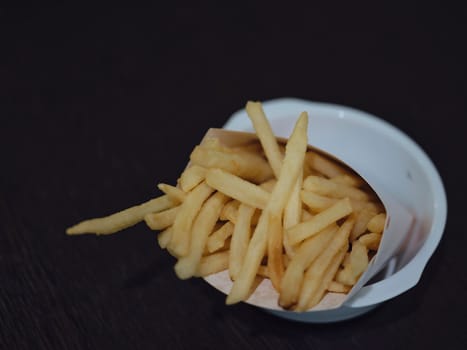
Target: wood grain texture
97,107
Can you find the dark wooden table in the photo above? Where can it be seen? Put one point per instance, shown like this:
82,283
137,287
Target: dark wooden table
98,106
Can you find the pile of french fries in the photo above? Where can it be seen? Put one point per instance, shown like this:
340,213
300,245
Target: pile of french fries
264,209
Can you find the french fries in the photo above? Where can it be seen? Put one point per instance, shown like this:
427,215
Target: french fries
181,235
355,265
202,227
308,251
290,171
263,209
312,284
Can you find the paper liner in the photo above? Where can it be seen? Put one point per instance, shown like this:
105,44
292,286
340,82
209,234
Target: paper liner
398,223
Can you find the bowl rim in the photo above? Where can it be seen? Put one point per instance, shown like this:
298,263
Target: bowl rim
409,275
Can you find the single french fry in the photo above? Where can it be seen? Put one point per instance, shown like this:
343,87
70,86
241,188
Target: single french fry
324,165
251,262
275,259
354,265
314,275
248,166
328,275
173,192
371,240
240,239
225,246
376,224
361,205
293,209
217,239
303,257
346,179
181,236
162,219
123,219
315,201
291,167
288,248
318,222
318,202
361,221
292,214
230,211
204,223
327,187
213,263
252,147
268,186
191,177
266,136
163,238
214,143
237,188
337,287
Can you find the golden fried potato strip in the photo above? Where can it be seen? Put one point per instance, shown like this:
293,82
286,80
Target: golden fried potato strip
123,219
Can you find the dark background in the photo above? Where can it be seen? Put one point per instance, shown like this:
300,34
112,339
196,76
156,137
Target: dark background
98,106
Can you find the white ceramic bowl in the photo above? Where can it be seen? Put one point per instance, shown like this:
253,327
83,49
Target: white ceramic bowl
402,168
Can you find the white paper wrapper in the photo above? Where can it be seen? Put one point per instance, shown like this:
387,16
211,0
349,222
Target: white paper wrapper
398,223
